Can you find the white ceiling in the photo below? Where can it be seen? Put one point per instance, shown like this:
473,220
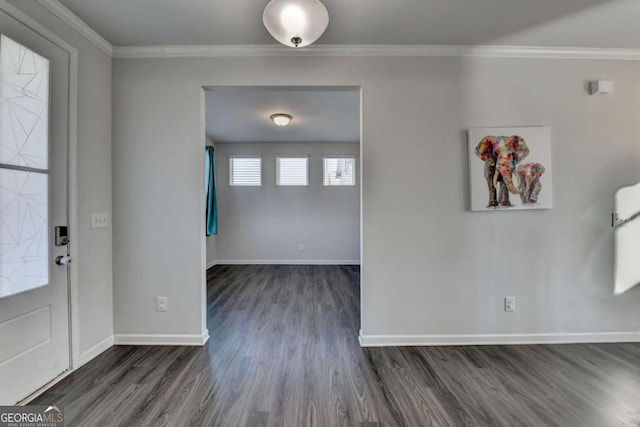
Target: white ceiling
568,23
319,114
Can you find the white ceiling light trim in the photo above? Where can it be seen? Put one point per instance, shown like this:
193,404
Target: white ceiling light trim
295,23
210,51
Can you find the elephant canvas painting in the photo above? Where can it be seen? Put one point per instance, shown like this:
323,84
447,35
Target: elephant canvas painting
510,168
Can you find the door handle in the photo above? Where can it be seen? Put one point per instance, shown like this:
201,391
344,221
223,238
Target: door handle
63,260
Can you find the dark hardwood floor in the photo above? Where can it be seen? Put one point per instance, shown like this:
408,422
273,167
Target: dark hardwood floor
284,352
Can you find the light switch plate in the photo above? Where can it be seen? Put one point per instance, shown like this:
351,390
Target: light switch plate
99,220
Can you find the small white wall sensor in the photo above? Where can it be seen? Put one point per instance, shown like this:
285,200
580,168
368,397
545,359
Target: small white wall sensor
601,87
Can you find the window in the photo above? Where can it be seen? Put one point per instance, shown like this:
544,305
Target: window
292,171
339,170
245,171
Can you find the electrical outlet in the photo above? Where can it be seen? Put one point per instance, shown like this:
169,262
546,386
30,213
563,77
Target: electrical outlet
161,304
99,220
301,247
510,304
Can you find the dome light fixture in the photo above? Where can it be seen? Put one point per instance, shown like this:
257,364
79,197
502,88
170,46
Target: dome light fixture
281,119
295,23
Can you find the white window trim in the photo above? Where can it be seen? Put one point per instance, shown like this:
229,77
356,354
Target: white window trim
244,156
342,156
292,156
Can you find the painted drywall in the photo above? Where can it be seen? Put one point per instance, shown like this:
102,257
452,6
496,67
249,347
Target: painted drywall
211,251
93,181
426,258
588,23
269,223
243,115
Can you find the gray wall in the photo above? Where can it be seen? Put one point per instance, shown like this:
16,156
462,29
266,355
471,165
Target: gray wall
429,265
211,251
268,223
94,178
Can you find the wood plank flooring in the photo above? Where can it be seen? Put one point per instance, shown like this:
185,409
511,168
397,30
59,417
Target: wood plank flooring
284,352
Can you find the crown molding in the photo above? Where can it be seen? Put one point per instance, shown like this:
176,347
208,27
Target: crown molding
210,51
72,20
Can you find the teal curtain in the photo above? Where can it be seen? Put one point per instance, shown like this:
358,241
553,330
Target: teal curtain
210,188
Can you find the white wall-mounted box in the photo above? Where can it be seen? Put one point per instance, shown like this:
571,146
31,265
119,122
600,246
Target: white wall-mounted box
601,87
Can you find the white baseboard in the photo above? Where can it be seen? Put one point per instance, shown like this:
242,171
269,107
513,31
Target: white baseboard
95,351
496,339
211,264
285,262
162,339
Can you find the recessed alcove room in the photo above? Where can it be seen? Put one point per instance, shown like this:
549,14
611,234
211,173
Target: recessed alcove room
286,175
319,212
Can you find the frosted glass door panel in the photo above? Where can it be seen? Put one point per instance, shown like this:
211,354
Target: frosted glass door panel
24,106
24,181
627,240
24,246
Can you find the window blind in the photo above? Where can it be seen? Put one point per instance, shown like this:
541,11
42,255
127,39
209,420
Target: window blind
245,171
292,171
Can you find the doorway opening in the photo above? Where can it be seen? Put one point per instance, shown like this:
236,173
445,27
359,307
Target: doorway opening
288,212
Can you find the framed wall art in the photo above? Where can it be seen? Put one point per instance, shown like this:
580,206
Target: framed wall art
510,168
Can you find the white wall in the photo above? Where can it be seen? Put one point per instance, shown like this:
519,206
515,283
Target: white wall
211,251
269,223
429,265
94,261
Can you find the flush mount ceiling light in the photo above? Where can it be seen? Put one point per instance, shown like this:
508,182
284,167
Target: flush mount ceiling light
281,119
295,23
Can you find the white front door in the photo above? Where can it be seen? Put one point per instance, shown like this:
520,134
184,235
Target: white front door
34,135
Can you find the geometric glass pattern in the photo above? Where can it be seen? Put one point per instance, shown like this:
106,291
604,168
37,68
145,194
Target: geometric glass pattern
24,243
24,180
24,106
